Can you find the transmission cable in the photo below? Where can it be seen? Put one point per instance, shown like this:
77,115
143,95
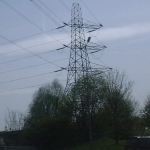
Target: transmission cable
29,51
33,47
15,10
89,11
31,76
27,87
32,86
27,18
39,7
65,5
30,36
29,56
26,58
50,11
94,18
23,68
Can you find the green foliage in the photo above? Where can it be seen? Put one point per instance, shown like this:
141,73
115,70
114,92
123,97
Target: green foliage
111,105
146,112
118,108
48,125
45,103
50,134
145,117
56,121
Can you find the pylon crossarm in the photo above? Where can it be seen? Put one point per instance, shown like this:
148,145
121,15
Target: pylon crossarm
87,24
60,69
68,46
100,70
95,47
65,24
91,25
60,48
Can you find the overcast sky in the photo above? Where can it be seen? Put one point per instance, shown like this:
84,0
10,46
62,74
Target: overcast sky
29,39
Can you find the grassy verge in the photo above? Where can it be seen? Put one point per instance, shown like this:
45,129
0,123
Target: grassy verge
101,144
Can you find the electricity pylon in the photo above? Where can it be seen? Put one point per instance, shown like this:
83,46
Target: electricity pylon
79,63
79,78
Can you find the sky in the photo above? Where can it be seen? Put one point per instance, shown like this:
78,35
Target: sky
29,40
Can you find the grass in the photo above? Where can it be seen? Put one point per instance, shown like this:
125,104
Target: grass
101,144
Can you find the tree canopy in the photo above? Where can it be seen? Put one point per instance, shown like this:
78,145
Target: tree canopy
119,106
101,102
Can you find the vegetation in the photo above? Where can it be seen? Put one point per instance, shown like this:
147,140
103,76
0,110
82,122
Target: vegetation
118,107
102,104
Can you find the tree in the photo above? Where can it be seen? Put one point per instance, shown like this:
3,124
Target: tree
107,97
84,100
118,106
46,125
146,114
104,100
14,120
45,102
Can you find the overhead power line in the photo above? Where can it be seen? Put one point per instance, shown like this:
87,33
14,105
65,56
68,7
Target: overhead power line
27,87
13,70
65,5
33,76
40,8
29,51
31,21
26,58
33,47
32,56
50,11
21,88
29,36
90,11
47,14
15,10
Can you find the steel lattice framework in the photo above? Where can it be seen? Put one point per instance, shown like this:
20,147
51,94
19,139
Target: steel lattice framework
80,87
79,62
79,69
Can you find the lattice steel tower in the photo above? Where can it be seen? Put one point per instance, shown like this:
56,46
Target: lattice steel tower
79,78
79,63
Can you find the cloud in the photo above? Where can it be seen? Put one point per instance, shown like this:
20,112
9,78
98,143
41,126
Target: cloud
44,42
117,33
42,39
40,43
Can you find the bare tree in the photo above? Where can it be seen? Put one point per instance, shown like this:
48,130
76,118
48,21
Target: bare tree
146,113
119,106
14,120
